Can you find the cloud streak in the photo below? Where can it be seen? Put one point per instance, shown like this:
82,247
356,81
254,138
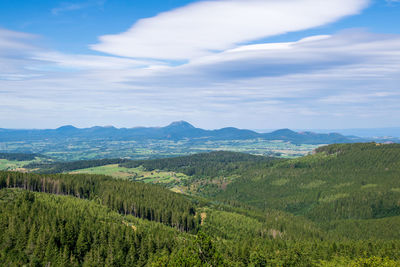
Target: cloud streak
69,6
202,28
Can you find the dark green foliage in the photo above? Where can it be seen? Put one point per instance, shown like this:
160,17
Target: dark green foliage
145,201
40,229
20,156
46,230
338,207
204,164
356,148
371,229
59,167
352,181
272,225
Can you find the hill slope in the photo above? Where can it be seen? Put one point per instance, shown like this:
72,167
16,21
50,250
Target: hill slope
345,181
338,198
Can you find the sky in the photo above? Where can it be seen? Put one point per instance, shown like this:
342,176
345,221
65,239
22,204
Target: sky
256,64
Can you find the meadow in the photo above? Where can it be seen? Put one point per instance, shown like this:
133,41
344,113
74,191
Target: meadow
169,179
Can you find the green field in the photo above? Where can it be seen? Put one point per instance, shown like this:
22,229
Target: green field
171,180
14,165
11,165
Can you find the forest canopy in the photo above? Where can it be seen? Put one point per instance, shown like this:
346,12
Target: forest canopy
336,207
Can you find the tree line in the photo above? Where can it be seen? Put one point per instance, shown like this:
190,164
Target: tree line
145,201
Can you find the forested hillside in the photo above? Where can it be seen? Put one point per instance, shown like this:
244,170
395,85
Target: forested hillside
141,200
48,230
203,164
59,167
41,229
352,181
337,207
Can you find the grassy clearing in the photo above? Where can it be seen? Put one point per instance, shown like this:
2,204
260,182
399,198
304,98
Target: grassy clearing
112,170
137,174
14,165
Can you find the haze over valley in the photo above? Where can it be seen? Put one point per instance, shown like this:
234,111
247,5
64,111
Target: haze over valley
178,138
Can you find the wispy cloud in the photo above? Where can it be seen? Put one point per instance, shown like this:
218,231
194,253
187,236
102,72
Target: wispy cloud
15,50
92,62
392,3
17,41
205,27
72,6
318,80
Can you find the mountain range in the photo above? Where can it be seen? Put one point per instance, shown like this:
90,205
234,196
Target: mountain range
175,131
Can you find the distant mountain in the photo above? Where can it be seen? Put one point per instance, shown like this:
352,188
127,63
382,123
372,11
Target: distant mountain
67,128
180,125
175,131
386,133
309,137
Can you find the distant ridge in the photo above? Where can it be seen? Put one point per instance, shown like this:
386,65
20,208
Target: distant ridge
366,132
175,131
67,128
180,124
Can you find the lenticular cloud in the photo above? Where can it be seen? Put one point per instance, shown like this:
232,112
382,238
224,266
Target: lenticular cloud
213,26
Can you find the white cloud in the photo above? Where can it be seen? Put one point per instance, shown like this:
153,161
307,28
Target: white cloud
347,79
204,27
92,62
313,54
15,41
15,48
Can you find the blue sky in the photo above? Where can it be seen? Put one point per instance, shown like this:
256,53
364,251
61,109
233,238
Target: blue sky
244,63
